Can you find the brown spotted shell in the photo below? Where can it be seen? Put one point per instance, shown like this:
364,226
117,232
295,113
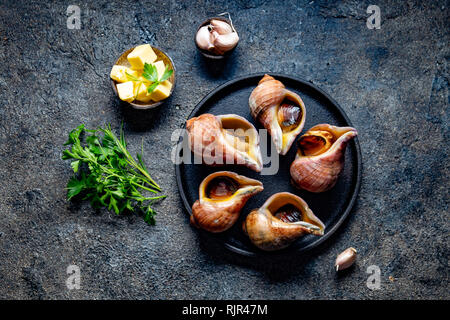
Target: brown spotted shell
320,157
269,231
221,197
225,139
274,106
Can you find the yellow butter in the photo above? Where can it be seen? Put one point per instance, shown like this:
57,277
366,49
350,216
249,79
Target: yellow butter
140,55
162,91
125,91
119,73
160,68
140,91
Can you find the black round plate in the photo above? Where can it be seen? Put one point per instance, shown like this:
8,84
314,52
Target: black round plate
332,207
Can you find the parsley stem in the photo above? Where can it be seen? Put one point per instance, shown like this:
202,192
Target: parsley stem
156,198
131,160
146,178
145,188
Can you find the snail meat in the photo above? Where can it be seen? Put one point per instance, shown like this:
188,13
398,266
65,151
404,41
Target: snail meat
289,116
289,214
221,188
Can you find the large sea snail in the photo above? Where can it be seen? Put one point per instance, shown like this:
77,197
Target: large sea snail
225,139
282,219
281,111
221,197
320,157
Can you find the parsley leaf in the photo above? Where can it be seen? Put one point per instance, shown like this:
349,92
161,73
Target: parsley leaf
74,187
150,72
151,77
152,87
166,75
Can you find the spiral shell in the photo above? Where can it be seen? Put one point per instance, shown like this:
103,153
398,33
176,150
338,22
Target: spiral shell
221,197
225,139
282,219
320,157
281,111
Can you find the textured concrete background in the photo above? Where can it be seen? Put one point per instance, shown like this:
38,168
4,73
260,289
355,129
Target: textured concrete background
393,83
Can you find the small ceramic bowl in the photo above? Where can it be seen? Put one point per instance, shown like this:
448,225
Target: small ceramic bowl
122,61
206,53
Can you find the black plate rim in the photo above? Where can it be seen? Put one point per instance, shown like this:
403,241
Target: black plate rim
356,187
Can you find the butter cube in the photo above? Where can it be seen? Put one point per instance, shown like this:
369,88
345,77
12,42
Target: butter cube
140,55
160,67
162,91
119,73
125,91
140,91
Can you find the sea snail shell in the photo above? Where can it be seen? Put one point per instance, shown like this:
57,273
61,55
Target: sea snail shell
281,111
221,197
320,157
225,139
282,219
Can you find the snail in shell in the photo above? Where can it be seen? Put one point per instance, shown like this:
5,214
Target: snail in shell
281,220
225,139
320,157
281,111
221,197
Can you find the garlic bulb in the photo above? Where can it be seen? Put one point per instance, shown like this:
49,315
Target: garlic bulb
217,37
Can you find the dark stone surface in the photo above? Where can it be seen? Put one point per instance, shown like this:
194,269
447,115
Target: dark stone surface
393,83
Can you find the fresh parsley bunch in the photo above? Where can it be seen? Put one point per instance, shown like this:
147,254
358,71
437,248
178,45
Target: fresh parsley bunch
106,173
150,74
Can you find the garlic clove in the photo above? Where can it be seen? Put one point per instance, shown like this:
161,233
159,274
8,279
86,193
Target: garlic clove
204,38
221,26
345,259
214,35
225,42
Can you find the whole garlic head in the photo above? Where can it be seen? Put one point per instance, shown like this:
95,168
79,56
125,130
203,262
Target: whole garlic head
217,37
